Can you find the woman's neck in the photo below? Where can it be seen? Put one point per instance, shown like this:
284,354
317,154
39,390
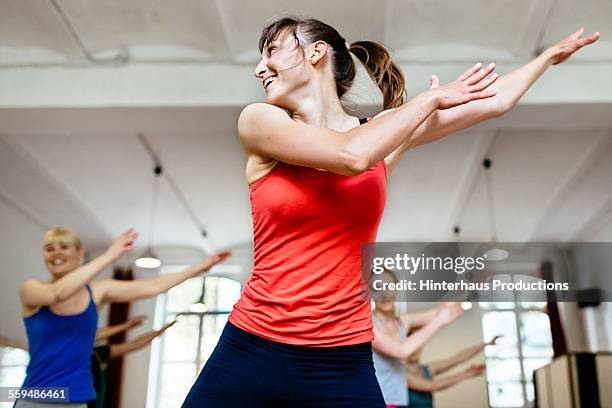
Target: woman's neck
385,316
318,104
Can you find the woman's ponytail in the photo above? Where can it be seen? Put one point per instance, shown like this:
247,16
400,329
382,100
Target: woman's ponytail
383,70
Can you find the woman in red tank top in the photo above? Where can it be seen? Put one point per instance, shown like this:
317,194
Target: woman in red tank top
301,333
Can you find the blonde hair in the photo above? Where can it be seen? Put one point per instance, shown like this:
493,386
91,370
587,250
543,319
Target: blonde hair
64,236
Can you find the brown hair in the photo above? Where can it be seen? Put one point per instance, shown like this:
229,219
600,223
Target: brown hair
375,57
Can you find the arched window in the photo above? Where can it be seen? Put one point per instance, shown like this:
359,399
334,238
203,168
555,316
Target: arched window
13,363
526,345
201,305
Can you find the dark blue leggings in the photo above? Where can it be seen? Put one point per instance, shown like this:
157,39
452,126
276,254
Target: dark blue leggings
249,371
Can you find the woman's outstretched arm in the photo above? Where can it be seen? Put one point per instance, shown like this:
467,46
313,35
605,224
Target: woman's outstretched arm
440,366
113,290
509,88
6,342
416,320
34,293
392,347
268,132
104,333
120,349
420,383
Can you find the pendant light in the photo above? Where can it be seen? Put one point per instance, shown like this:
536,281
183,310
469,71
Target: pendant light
494,251
148,259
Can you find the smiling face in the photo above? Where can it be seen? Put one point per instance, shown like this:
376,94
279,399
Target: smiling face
284,69
62,251
384,299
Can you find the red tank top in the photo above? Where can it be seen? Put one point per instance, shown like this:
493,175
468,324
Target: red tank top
308,227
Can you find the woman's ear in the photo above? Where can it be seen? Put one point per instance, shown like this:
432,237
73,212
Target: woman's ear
316,51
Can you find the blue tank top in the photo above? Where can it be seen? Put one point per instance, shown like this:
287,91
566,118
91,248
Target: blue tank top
60,350
420,399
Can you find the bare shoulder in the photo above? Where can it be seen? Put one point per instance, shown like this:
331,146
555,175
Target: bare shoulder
27,290
254,119
31,284
255,115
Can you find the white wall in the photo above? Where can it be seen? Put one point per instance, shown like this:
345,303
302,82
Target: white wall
136,365
597,262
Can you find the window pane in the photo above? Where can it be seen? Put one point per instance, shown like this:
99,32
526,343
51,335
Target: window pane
13,356
535,334
184,295
181,340
228,294
12,376
504,324
533,305
532,364
180,360
506,395
176,380
496,305
221,293
503,370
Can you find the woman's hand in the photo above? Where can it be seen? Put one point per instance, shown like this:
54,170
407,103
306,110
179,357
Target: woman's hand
493,341
137,320
561,51
470,86
123,244
212,260
475,370
166,326
448,312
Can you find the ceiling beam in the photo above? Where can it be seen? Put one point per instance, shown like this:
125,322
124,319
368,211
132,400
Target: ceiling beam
184,85
567,185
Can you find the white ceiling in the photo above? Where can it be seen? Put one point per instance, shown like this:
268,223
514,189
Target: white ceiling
552,171
552,183
64,31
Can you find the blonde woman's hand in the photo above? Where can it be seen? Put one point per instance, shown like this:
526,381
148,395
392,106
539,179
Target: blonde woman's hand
212,260
122,244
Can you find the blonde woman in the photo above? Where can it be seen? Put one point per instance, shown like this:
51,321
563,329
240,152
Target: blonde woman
61,313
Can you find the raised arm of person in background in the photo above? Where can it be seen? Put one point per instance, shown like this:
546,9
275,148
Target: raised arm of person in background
440,366
113,290
35,293
419,383
392,347
509,88
416,320
263,129
120,349
104,333
6,342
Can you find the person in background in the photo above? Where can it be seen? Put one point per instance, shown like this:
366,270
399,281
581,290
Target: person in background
392,346
423,379
61,313
103,353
